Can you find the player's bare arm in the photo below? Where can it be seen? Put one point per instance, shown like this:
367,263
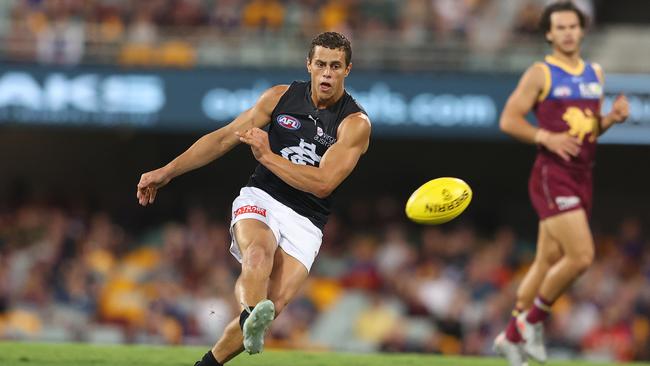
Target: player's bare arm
620,108
210,146
337,163
521,101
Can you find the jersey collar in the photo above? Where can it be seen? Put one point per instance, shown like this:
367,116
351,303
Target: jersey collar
573,70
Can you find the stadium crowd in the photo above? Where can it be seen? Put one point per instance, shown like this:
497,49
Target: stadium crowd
379,284
182,32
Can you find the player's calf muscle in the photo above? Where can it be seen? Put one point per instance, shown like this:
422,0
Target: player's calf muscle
280,304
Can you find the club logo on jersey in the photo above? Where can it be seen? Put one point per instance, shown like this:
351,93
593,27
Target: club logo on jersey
580,123
567,202
591,90
249,209
303,154
319,131
288,122
562,91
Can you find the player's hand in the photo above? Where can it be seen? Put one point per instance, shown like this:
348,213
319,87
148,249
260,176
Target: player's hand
149,184
563,144
620,109
257,139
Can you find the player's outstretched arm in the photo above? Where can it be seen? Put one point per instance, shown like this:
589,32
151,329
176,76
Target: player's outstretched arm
338,162
210,146
521,101
620,108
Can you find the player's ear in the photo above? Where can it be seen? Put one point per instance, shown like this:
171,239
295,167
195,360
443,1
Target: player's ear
308,65
348,69
548,37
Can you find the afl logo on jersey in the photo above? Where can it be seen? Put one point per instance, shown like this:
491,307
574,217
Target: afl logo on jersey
288,122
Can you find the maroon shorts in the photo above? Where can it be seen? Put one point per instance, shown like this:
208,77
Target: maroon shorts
555,189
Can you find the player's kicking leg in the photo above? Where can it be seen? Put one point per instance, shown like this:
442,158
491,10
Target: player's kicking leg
571,231
287,277
274,273
509,343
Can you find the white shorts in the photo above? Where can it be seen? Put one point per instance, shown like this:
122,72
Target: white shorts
294,233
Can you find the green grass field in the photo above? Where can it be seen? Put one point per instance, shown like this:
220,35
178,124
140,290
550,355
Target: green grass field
27,354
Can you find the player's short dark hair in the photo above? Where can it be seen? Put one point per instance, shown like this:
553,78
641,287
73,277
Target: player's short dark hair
545,21
334,41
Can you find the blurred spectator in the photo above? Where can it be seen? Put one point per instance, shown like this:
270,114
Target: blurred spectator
20,35
263,15
225,15
299,18
527,18
141,38
362,270
142,30
335,16
451,16
61,40
185,13
413,21
106,23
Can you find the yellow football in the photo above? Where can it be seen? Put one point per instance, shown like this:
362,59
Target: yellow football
438,201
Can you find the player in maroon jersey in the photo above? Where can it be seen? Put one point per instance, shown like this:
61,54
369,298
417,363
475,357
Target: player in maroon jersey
565,93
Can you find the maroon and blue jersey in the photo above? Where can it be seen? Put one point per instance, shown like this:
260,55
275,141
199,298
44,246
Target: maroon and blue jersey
570,102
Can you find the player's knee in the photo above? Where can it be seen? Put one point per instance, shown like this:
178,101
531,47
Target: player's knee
552,256
257,255
583,261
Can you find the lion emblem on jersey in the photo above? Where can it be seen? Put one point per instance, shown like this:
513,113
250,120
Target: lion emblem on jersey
580,123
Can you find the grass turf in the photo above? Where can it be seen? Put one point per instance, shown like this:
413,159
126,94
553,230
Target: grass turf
27,354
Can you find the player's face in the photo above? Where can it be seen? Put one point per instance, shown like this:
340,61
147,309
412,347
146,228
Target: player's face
566,32
328,70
